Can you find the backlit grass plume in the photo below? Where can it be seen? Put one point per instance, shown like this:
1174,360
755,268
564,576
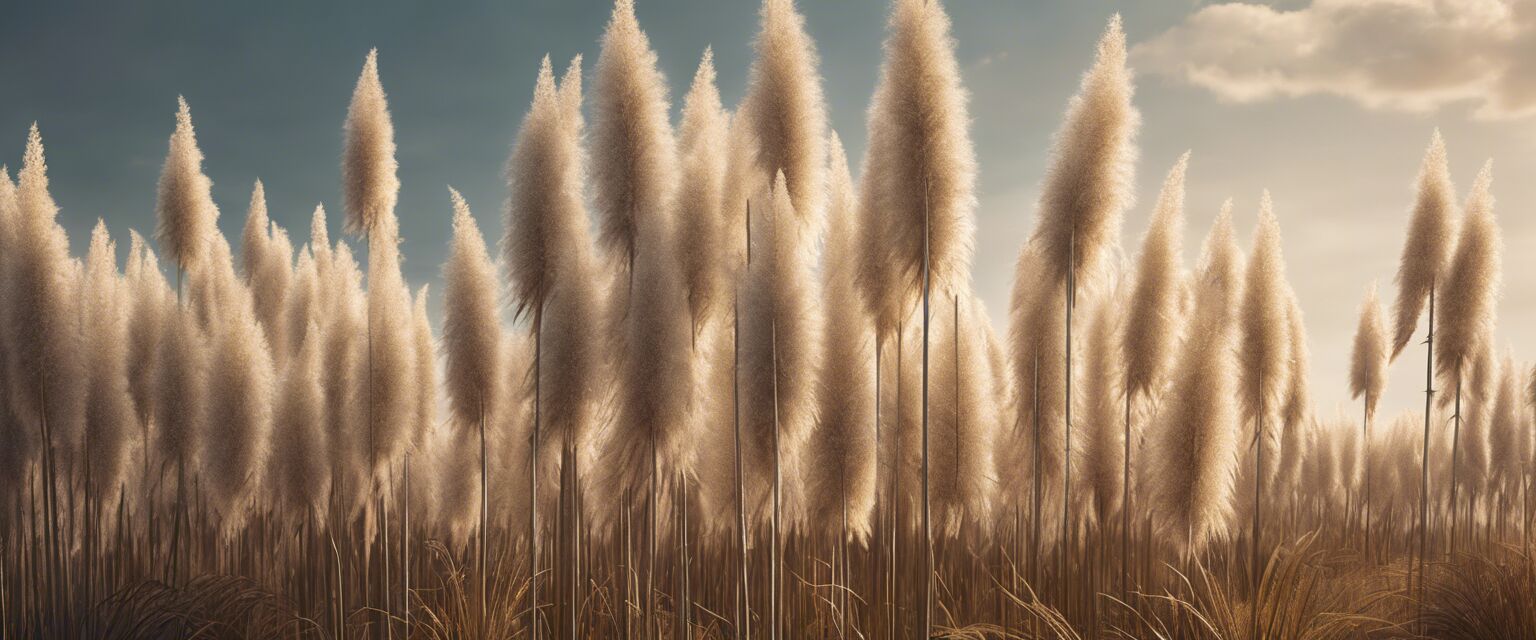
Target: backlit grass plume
549,255
840,465
181,402
1507,442
1092,169
634,166
392,363
1296,404
369,185
149,301
1480,394
1036,333
472,331
783,120
1265,343
425,346
241,386
267,264
301,460
1193,439
1468,302
702,236
109,417
1103,453
921,177
1150,327
780,346
184,205
43,320
1427,249
1369,356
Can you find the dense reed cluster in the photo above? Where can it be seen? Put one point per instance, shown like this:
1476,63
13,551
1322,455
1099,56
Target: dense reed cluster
712,382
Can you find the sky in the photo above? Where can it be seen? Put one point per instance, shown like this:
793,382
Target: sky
1329,104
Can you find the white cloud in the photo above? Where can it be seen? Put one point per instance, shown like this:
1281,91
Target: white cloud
1406,55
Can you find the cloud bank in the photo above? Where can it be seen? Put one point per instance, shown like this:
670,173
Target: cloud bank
1401,55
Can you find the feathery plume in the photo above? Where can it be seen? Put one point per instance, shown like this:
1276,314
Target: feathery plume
1265,348
702,145
656,362
1103,452
634,173
783,121
1150,330
181,402
1296,405
184,206
472,333
369,184
426,368
239,411
1369,357
1479,404
1505,447
43,322
1192,442
300,462
920,177
548,251
1088,185
1036,332
267,261
392,363
149,301
1427,249
1468,302
840,465
109,420
780,347
341,309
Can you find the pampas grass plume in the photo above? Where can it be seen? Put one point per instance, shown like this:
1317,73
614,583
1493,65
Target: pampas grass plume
1427,249
184,205
369,184
1468,303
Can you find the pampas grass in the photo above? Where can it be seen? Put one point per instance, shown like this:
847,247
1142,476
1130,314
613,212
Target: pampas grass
267,264
701,217
1194,442
369,185
1468,305
634,170
184,205
110,423
783,119
294,403
841,465
1428,246
472,344
301,476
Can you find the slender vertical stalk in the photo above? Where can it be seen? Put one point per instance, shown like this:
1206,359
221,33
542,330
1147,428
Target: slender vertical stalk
1365,441
928,562
533,473
774,552
1429,394
1258,507
485,520
1066,462
405,543
1125,508
650,559
1455,477
744,607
